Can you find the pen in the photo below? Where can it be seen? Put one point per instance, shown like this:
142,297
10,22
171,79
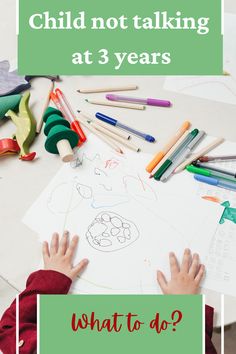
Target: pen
145,101
183,155
215,182
172,150
207,173
155,161
175,154
117,124
215,169
109,127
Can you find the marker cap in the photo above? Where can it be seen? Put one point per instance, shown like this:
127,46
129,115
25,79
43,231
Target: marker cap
158,103
106,119
208,180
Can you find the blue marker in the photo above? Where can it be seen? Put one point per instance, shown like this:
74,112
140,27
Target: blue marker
117,124
216,182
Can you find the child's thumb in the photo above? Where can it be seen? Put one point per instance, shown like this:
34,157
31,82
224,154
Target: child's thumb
80,267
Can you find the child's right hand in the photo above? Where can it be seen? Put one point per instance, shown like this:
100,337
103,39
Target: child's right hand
60,256
185,279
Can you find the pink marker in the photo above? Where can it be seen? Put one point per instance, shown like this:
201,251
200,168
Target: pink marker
147,101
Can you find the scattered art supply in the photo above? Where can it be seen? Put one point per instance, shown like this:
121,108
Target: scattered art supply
113,136
11,83
101,136
9,103
109,127
40,122
209,173
120,208
185,126
8,147
25,128
202,152
216,182
144,101
166,165
117,104
215,169
183,155
217,158
117,124
60,138
172,150
70,116
108,89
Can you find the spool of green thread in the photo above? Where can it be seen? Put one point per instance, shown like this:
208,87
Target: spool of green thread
60,138
9,103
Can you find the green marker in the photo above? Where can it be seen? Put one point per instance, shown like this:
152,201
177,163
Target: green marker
208,173
175,154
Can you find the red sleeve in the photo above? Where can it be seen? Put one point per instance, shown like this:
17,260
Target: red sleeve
209,314
41,282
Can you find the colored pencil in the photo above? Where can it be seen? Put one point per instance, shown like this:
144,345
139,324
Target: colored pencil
109,127
106,140
117,104
108,89
115,137
202,152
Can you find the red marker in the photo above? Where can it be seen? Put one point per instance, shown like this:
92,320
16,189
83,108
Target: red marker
69,115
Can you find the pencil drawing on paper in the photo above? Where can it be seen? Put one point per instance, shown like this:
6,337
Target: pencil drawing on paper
111,232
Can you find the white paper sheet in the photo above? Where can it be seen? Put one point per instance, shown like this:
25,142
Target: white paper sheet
127,223
221,259
216,88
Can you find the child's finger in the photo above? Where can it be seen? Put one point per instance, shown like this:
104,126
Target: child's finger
194,266
80,267
45,251
162,281
72,246
63,243
186,261
54,244
174,266
200,275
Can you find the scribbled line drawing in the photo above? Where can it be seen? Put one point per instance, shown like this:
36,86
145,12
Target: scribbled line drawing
111,232
79,160
99,172
209,83
138,188
62,199
112,164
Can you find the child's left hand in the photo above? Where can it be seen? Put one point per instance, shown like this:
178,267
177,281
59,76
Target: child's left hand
59,257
